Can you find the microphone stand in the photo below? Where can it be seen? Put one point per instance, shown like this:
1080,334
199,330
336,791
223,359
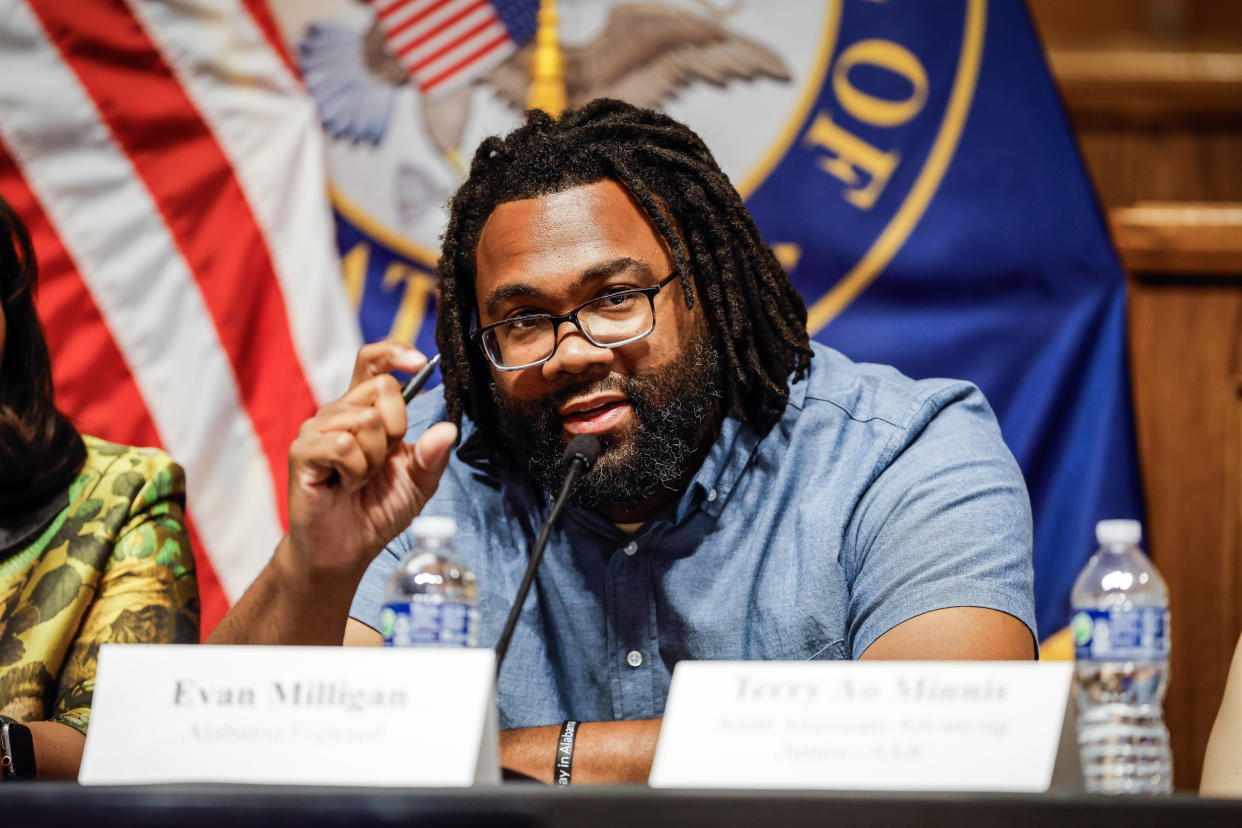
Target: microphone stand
583,451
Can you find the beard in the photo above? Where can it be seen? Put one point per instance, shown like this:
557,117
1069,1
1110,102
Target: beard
672,414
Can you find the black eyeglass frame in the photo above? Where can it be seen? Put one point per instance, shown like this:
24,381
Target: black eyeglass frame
572,316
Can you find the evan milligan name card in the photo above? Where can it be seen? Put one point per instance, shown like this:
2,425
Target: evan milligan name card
965,726
292,715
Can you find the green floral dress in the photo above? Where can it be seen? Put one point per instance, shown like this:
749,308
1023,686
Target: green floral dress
113,565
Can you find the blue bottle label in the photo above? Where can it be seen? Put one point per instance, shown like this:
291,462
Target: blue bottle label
1136,634
429,624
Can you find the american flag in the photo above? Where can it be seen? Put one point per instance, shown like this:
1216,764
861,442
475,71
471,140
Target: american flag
170,167
445,44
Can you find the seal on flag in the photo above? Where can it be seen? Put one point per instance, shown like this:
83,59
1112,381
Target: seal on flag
645,54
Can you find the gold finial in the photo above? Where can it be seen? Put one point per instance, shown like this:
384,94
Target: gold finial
547,66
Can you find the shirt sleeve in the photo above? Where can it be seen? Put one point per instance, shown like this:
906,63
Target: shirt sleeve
148,593
945,523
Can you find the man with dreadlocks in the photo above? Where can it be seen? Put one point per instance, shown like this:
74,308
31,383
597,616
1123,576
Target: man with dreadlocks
757,496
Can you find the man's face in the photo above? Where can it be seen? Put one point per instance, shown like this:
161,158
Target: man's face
651,403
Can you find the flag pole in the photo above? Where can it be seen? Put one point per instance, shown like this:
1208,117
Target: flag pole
547,67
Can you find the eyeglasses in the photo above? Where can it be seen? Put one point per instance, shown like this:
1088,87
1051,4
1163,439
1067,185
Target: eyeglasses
608,321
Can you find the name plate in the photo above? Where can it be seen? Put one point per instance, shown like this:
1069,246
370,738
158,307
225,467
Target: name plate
292,715
857,725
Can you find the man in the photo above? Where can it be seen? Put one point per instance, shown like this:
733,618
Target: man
757,497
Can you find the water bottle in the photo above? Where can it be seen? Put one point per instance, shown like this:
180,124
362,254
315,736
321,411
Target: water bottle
1121,655
431,599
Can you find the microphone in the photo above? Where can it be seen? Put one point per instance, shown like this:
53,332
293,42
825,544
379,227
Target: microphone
582,452
585,449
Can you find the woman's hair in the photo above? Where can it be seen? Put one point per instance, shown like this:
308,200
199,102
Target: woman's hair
40,450
755,315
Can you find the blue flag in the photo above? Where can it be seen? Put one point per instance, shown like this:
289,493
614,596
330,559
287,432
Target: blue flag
945,225
912,167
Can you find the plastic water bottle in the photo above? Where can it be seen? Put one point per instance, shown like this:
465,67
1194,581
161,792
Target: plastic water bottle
431,599
1121,654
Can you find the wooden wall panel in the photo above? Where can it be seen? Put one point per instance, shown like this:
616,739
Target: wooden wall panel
1181,163
1184,355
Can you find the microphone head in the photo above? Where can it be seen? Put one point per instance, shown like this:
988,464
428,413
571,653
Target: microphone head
583,447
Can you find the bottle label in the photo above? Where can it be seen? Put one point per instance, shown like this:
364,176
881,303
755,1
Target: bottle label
429,624
1137,634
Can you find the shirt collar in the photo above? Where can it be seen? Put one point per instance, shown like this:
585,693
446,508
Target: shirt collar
729,456
725,461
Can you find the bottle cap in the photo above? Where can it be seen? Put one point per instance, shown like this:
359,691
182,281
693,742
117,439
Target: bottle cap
430,526
1109,532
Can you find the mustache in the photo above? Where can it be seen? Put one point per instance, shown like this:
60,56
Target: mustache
615,382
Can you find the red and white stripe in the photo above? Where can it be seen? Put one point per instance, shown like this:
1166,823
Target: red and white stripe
443,44
171,169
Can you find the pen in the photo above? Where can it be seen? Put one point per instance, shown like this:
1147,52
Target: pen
416,382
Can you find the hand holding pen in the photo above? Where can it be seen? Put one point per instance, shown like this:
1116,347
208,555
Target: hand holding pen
408,391
354,481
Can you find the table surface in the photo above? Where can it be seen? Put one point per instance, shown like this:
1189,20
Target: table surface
237,806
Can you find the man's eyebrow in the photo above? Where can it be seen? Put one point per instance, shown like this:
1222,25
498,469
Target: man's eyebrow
504,293
612,267
515,290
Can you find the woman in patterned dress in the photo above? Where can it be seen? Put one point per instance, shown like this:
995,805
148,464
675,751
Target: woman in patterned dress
93,546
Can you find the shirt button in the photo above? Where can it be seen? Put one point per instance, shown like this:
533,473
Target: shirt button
630,549
634,658
711,495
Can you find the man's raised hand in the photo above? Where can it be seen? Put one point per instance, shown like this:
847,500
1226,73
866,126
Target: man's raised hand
354,484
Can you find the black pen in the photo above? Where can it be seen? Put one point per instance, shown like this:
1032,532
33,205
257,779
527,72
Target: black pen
416,382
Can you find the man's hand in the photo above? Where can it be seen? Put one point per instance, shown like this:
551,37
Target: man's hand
353,483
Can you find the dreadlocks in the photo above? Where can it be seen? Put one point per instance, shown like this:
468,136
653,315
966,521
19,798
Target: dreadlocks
757,318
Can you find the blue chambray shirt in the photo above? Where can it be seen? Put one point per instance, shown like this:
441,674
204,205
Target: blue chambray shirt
874,499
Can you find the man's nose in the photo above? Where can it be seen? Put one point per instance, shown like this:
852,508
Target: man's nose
575,354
